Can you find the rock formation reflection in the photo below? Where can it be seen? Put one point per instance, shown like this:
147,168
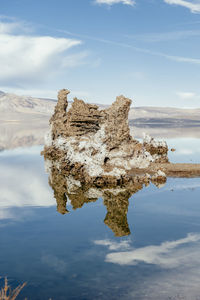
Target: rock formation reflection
117,208
67,189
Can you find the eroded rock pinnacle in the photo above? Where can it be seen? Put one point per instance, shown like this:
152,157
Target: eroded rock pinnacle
95,145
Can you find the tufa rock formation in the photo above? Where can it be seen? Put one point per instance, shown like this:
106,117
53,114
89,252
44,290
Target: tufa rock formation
89,153
95,145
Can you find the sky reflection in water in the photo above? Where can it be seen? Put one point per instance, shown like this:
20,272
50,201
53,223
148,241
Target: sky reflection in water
80,255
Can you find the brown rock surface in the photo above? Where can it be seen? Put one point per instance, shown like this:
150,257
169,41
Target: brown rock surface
59,117
117,129
96,145
85,118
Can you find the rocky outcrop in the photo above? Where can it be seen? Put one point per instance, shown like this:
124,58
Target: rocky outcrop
95,145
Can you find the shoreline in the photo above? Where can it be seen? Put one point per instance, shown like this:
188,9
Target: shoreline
178,170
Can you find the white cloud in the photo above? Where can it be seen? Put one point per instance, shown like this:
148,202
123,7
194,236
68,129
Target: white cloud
183,59
179,280
113,245
111,2
25,190
21,184
186,95
194,6
7,27
179,263
25,58
166,255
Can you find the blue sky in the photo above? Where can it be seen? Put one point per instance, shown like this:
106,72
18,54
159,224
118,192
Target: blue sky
147,50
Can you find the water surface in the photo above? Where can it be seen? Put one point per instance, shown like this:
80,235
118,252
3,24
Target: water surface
80,254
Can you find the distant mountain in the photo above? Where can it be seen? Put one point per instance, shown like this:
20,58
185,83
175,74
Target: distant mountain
23,106
165,115
11,103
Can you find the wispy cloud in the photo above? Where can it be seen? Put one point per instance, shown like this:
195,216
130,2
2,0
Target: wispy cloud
186,95
167,255
193,6
183,59
165,36
26,58
111,2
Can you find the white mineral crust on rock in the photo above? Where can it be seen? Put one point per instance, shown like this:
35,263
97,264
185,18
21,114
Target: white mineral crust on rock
149,140
99,141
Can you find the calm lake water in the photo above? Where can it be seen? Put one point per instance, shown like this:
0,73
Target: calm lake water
78,255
